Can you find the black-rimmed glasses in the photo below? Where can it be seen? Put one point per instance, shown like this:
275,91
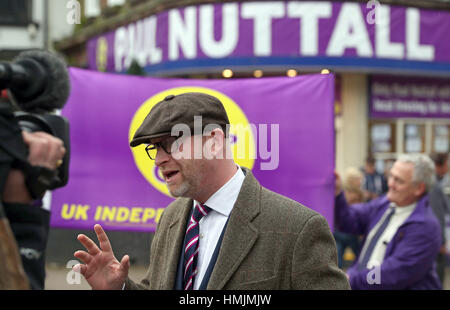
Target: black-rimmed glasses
165,144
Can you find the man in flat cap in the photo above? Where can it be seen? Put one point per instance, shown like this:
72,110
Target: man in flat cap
224,230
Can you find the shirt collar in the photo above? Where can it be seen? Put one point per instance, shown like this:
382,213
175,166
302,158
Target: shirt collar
405,209
223,200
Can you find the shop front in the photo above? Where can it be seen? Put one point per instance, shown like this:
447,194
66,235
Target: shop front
408,115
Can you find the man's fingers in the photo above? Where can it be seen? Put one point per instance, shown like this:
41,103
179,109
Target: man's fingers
55,153
338,184
105,245
336,175
38,148
83,256
125,263
44,149
88,244
80,268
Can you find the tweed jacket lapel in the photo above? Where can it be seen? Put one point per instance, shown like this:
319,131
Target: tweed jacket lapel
175,239
240,234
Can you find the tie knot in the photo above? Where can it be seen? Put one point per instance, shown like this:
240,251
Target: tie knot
200,211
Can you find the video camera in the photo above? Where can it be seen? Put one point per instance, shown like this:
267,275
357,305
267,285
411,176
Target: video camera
34,85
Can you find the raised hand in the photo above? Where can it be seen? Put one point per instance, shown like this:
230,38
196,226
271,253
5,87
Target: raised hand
337,184
101,269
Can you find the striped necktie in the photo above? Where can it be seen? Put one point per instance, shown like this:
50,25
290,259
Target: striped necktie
191,248
368,253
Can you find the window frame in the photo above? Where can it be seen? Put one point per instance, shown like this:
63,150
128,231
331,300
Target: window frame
16,22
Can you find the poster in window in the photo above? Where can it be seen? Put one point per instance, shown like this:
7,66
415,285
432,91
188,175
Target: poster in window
441,139
413,139
381,137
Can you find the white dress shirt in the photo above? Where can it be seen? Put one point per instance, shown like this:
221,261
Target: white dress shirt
398,218
211,226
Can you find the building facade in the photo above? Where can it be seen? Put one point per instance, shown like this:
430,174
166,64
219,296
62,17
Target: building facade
390,59
31,24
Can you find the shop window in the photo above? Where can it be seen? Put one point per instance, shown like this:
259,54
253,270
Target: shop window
414,138
441,138
15,12
382,137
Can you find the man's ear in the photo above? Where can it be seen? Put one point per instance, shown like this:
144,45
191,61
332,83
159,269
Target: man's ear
420,189
217,143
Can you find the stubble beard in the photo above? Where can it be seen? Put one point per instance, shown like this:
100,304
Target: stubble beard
188,185
181,191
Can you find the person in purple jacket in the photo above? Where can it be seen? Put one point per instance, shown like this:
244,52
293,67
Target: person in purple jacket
402,235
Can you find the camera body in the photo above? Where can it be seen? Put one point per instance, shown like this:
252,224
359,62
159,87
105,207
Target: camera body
34,86
54,125
38,179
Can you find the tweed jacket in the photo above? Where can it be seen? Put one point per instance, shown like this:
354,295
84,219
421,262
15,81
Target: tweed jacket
271,242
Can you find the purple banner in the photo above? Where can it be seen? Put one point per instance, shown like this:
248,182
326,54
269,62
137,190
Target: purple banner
282,129
393,97
280,30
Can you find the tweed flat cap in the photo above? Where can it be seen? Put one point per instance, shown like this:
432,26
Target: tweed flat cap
180,109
